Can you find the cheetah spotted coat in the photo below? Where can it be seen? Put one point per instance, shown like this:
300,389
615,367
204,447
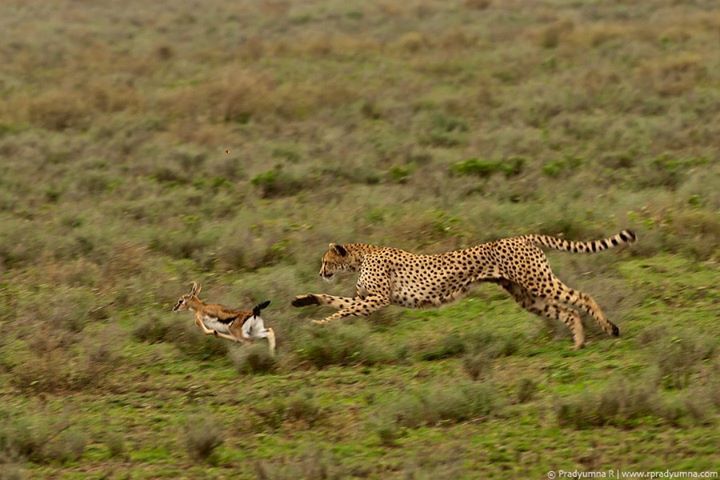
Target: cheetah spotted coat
517,264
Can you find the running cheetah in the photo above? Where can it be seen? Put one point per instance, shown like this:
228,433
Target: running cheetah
517,264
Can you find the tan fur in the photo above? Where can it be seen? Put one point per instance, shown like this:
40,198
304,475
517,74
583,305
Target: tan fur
392,276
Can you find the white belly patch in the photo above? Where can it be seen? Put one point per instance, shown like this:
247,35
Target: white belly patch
213,324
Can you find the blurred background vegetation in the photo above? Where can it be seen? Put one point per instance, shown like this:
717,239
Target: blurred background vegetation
144,145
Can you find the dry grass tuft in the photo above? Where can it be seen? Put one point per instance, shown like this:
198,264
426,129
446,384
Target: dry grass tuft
202,435
59,110
673,76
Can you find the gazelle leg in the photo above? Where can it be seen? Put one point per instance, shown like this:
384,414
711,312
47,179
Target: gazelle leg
229,337
271,340
199,323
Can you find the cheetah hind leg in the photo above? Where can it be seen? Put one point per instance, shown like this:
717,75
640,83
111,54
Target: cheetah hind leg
547,309
587,304
553,310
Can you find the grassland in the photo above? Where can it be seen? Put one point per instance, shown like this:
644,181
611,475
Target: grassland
150,144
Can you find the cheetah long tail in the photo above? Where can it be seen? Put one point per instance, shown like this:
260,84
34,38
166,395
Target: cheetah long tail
625,236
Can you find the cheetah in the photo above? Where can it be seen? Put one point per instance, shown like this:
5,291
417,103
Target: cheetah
393,276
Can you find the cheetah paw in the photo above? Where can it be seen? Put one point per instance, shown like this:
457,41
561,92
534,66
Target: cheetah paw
304,300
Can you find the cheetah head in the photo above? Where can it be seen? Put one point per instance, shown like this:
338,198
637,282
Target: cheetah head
337,259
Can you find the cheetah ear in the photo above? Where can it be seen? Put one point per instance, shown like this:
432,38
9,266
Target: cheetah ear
339,249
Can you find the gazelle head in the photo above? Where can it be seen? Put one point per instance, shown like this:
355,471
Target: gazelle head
183,302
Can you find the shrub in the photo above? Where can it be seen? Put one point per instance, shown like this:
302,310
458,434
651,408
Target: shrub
620,404
551,35
193,343
277,183
67,447
300,407
342,344
478,4
526,389
494,346
485,168
388,432
450,346
443,403
202,437
562,166
49,365
400,173
477,365
624,404
312,465
41,439
253,359
152,330
677,357
59,110
115,444
11,472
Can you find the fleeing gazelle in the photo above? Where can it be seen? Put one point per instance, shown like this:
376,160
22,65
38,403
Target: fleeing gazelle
229,323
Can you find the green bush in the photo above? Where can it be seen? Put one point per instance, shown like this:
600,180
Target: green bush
477,365
626,405
115,444
253,359
277,183
202,435
152,330
562,166
526,389
342,344
451,345
192,342
434,404
40,438
677,357
299,407
485,168
620,404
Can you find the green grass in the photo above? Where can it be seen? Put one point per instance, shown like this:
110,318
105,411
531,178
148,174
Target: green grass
149,146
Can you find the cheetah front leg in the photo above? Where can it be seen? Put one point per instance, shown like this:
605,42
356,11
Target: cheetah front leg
357,306
322,299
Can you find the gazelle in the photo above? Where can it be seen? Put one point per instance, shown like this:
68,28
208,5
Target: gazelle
229,323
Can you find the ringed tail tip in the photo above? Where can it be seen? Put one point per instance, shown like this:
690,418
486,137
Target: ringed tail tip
628,236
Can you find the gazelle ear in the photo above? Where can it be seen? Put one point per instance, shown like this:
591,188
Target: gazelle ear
195,289
339,249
